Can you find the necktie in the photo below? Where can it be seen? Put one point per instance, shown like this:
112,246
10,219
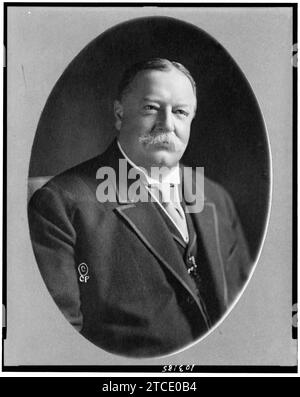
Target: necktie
169,200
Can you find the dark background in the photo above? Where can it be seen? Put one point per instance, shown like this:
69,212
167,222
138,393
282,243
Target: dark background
228,136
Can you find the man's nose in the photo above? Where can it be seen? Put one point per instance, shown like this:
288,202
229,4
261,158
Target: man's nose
165,120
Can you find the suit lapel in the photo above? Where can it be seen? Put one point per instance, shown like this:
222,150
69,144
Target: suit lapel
207,226
145,220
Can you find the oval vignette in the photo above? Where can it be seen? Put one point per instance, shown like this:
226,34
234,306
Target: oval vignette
77,121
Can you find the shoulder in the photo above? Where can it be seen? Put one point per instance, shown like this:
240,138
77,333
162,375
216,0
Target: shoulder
224,206
70,186
80,180
215,192
216,195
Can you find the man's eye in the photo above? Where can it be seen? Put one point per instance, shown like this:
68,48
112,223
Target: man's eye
181,112
150,107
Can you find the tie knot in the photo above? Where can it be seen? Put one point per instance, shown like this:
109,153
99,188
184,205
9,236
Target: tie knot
165,192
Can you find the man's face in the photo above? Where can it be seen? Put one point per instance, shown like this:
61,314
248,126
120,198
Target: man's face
154,117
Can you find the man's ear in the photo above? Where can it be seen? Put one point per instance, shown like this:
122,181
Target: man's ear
118,111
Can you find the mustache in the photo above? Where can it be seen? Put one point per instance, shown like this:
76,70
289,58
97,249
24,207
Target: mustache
155,138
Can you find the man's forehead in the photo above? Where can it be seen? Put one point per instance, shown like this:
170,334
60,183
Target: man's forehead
147,82
151,75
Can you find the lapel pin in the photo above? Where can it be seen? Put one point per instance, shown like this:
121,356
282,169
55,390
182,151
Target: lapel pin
83,271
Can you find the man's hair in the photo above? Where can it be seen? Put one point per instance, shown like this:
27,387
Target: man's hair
151,64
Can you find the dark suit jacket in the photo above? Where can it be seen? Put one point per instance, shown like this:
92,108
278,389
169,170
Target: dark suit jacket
139,299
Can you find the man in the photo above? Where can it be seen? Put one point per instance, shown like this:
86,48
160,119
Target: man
140,278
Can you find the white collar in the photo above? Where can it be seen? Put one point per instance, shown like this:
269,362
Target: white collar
173,177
